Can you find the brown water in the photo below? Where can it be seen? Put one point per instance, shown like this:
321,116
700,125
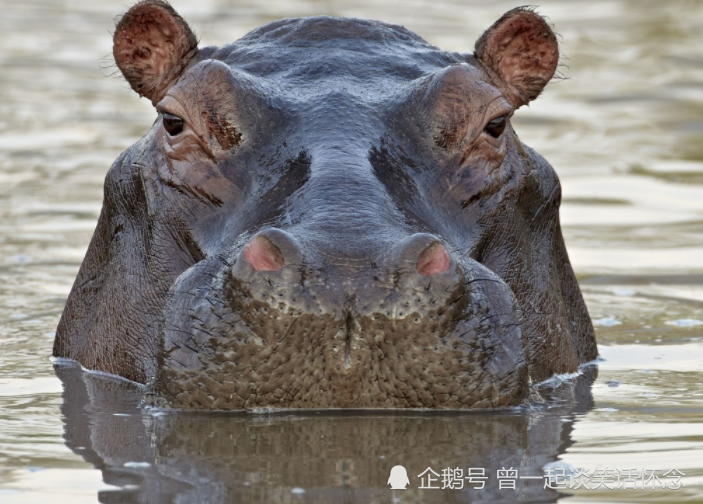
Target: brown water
625,134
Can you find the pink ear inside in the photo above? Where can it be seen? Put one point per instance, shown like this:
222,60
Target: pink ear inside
523,50
434,259
152,46
263,255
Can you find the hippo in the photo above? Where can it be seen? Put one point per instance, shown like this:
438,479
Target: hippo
329,213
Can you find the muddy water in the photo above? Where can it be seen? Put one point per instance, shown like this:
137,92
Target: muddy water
625,134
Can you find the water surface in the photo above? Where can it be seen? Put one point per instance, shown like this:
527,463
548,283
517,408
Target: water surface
625,134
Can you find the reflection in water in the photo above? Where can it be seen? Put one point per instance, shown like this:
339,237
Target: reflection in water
624,132
310,457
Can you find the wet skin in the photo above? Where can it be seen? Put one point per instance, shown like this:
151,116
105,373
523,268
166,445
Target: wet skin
329,213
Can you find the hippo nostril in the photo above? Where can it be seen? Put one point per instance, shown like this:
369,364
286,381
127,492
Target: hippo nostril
263,255
271,250
420,253
433,260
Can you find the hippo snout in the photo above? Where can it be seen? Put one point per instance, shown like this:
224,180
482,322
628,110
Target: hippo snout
273,249
272,278
414,327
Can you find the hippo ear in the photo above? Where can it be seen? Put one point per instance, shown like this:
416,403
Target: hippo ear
152,46
522,49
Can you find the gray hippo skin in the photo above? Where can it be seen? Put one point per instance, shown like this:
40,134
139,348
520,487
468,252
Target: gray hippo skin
329,213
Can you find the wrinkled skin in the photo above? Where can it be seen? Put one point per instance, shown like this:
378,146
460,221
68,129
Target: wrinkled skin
329,213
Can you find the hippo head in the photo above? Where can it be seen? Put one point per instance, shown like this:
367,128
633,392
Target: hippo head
329,213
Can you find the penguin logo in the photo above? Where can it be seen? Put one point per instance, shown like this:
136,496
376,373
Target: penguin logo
398,479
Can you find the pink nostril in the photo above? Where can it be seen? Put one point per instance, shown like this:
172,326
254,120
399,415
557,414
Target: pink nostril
263,255
434,259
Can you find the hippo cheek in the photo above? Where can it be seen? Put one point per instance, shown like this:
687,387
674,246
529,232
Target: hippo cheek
237,338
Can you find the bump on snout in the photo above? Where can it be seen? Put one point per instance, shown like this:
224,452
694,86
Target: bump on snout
263,255
271,250
420,252
433,260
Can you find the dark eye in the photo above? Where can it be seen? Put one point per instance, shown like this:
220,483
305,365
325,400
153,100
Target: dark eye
496,127
173,124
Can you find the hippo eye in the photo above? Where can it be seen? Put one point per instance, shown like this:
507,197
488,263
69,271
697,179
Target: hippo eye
496,127
173,124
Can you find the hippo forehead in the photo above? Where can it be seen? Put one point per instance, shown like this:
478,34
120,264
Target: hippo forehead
359,56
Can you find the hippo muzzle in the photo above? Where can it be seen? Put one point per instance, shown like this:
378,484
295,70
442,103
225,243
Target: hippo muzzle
412,328
329,213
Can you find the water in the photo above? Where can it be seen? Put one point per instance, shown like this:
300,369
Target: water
625,133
